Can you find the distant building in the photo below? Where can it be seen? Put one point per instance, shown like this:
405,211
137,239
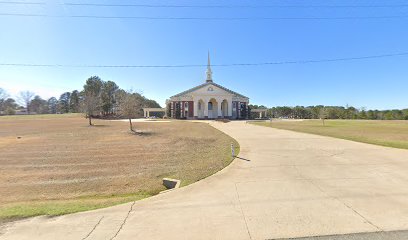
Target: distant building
208,101
22,111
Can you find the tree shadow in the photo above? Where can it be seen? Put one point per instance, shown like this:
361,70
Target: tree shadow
142,133
98,125
243,158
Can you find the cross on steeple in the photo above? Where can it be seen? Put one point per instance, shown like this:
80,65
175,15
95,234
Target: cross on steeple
209,72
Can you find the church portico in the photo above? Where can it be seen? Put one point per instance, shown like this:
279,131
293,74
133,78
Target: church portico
208,101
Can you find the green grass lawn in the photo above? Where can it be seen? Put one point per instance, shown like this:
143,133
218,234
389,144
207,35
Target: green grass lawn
380,132
58,207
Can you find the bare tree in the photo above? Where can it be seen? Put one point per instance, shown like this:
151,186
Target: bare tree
91,105
25,98
323,114
129,106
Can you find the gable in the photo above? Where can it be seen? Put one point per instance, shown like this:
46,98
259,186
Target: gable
209,88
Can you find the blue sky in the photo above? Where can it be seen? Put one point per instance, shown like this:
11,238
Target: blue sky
372,83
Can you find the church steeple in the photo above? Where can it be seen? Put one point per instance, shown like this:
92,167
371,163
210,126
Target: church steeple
209,72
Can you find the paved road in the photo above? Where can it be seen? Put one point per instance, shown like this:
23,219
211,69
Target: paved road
286,184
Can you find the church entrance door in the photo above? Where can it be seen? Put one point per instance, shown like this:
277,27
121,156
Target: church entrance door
212,109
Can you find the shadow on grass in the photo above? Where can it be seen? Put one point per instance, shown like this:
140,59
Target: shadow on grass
98,125
142,133
243,159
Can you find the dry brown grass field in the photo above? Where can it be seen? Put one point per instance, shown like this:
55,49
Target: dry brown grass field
57,164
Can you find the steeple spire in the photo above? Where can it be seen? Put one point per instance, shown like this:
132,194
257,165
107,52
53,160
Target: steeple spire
209,72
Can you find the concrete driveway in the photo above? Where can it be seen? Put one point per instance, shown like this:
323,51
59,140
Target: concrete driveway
284,184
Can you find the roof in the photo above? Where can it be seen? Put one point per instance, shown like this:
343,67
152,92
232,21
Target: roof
207,84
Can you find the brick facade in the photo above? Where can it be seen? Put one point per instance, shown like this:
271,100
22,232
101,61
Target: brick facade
179,110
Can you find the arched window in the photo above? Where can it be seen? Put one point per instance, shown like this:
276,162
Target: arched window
210,106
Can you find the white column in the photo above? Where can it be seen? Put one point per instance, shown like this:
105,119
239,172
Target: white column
195,108
230,108
219,108
239,109
205,108
148,114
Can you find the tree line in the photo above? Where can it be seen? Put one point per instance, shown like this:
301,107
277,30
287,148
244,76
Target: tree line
331,112
98,98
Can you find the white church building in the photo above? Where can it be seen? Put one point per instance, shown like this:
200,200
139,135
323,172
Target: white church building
208,101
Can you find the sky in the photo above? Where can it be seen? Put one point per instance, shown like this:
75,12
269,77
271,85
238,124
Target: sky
299,30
